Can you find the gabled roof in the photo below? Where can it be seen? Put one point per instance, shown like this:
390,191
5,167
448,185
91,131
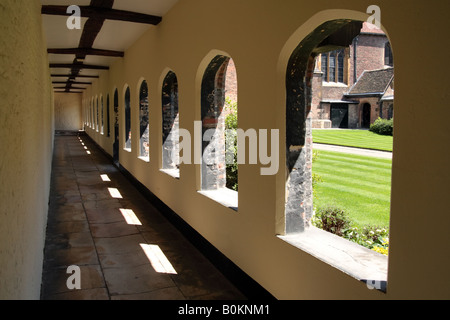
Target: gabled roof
373,82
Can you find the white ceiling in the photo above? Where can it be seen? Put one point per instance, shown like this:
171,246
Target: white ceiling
114,35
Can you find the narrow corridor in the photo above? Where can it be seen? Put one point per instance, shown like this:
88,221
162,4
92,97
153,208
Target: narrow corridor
125,248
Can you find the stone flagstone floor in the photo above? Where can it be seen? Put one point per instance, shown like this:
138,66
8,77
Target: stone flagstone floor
125,248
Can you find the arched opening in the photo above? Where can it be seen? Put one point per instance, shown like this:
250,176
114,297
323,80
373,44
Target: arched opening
102,116
218,139
143,121
116,128
89,115
127,109
299,210
97,117
92,113
329,36
108,120
170,124
213,124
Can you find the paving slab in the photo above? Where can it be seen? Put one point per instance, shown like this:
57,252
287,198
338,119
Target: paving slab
106,238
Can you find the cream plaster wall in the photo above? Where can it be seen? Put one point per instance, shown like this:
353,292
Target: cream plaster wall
68,112
26,128
260,36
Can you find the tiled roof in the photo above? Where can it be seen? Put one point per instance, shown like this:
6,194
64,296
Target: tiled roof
372,82
371,28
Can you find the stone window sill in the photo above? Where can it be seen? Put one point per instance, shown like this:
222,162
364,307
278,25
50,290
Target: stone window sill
146,159
175,173
224,196
334,84
127,149
359,262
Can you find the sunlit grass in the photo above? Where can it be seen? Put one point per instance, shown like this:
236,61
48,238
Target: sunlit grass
360,185
353,138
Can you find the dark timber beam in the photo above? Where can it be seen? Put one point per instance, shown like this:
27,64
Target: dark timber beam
72,82
87,51
104,13
70,76
78,66
69,88
68,91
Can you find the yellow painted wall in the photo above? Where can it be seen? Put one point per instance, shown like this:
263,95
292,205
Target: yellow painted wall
68,112
26,130
260,36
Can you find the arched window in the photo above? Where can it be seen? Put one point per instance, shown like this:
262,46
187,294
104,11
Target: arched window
116,127
144,121
90,114
108,121
214,112
299,212
102,116
97,120
93,114
127,119
170,124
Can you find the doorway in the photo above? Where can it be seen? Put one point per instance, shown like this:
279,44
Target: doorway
366,116
339,115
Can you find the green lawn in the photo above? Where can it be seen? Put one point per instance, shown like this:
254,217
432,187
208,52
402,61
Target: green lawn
353,138
360,185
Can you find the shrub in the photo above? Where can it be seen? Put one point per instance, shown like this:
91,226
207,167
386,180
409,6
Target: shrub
332,219
383,127
384,248
315,177
336,221
231,127
368,236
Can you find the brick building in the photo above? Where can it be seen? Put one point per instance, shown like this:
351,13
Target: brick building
353,86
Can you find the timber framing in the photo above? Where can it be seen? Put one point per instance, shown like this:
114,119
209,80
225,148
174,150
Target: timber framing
72,76
104,13
97,12
72,82
76,66
87,51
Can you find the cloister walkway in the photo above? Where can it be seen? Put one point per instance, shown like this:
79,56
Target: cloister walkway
125,248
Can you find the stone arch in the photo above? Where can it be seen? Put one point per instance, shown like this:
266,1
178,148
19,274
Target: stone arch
144,127
213,169
127,117
332,34
170,121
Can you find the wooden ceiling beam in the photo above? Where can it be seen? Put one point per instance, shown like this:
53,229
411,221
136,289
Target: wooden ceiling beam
78,66
104,13
72,82
66,91
87,51
70,87
73,76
